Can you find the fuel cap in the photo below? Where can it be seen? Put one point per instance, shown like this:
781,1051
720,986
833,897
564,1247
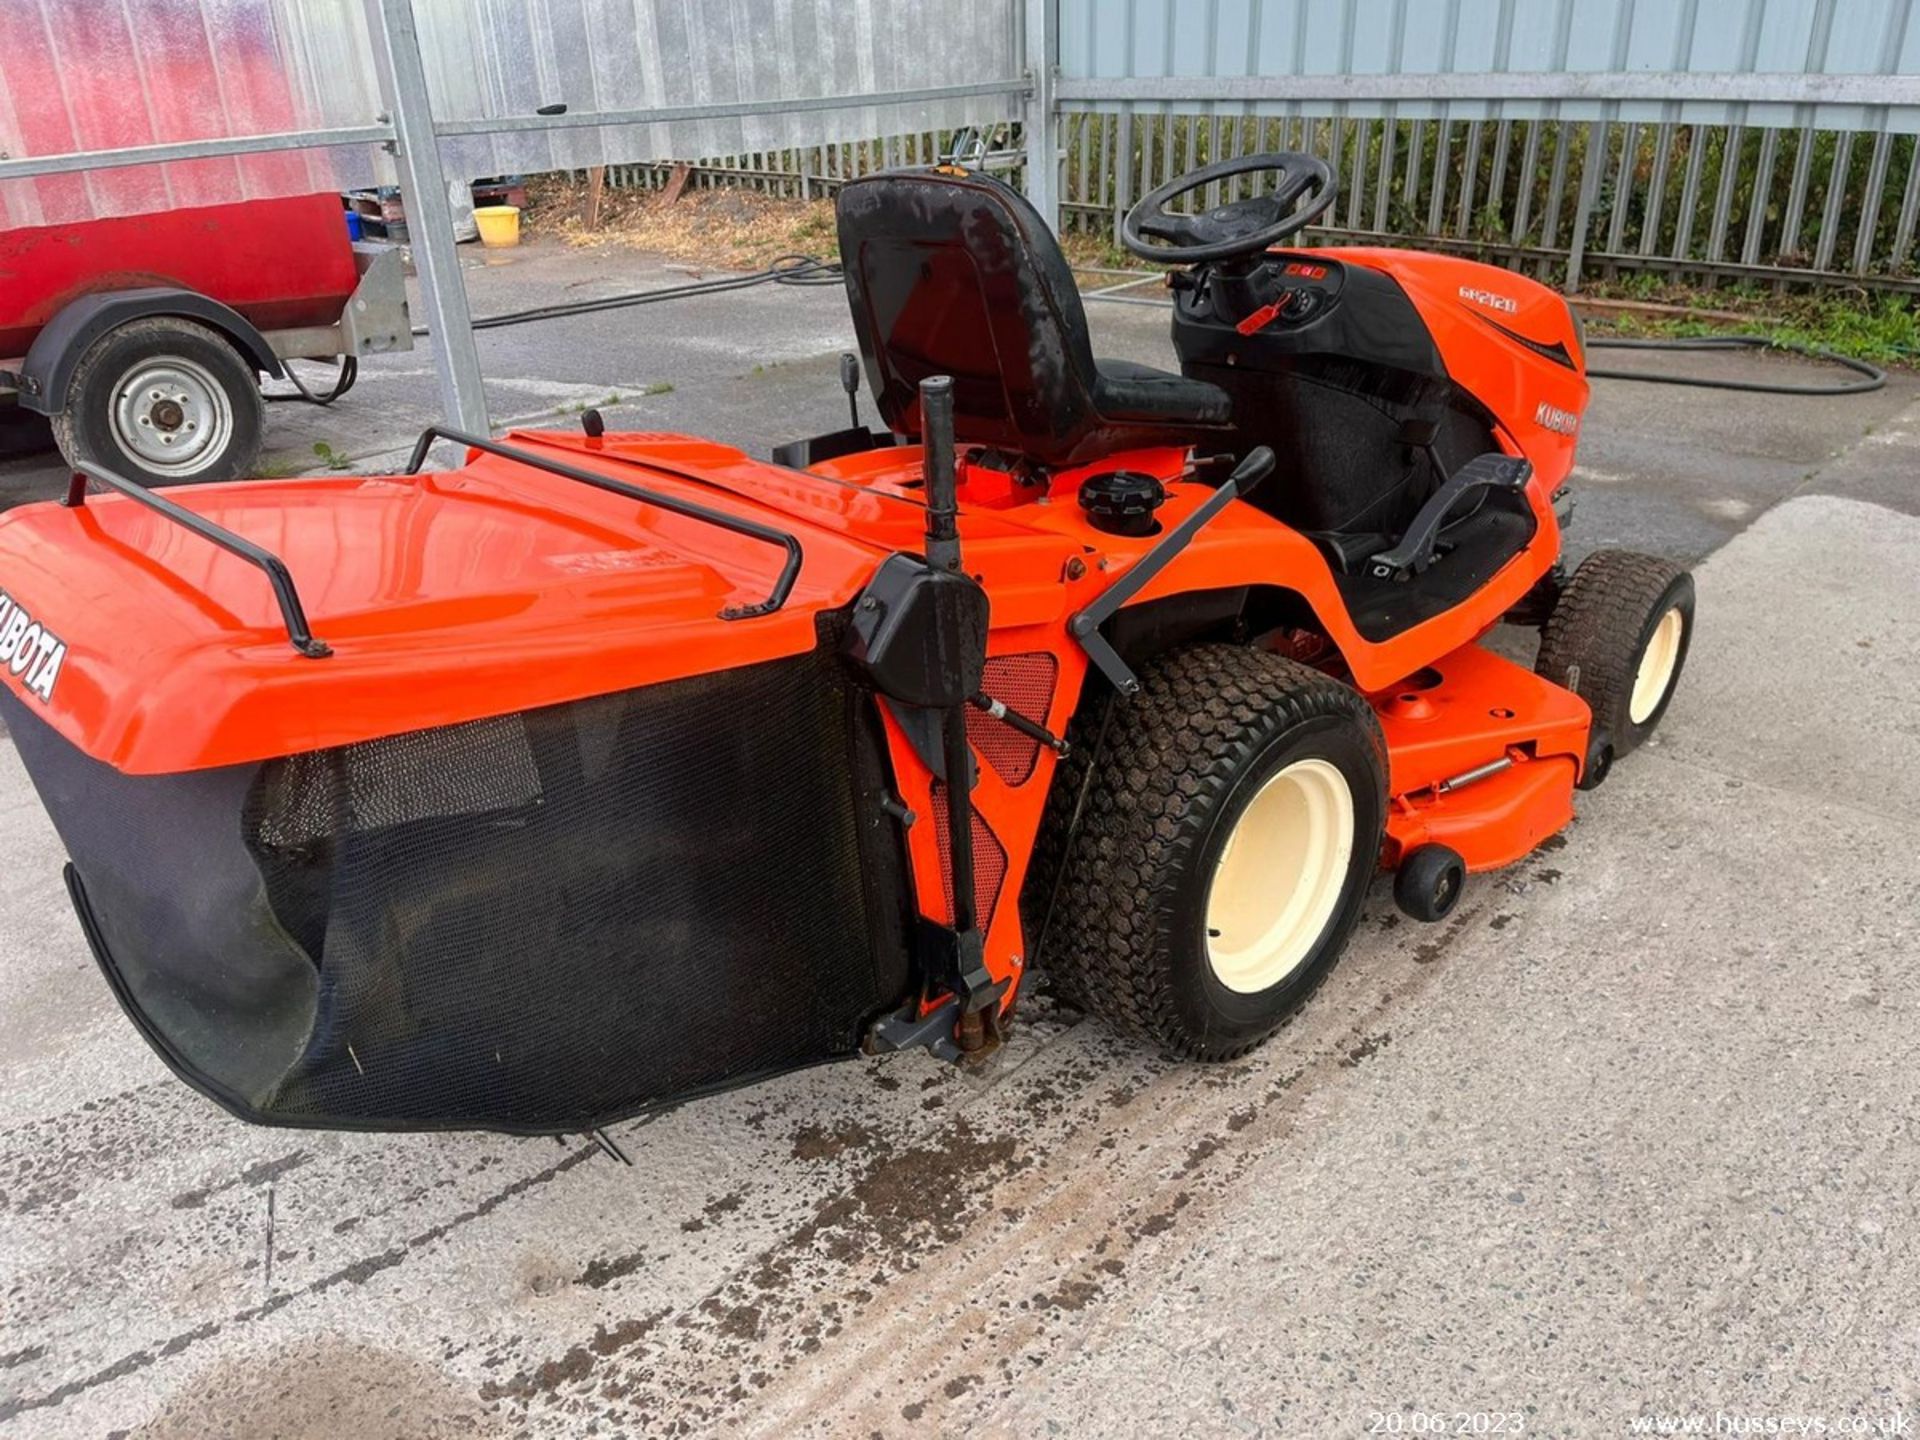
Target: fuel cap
1122,502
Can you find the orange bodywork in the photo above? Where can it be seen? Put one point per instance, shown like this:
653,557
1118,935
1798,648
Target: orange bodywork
494,587
453,595
1472,708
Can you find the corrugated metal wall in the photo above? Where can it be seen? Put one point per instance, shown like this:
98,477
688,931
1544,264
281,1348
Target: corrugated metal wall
96,75
496,59
109,73
1125,39
1726,137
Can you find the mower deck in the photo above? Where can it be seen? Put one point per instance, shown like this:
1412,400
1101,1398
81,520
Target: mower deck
1483,757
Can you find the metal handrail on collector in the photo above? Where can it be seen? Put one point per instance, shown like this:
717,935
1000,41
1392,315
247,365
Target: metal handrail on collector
752,529
292,612
294,615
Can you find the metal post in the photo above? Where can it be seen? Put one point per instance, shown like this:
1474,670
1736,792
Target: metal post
1592,164
423,186
1043,108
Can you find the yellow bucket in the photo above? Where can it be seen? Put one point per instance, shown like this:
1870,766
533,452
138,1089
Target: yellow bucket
499,225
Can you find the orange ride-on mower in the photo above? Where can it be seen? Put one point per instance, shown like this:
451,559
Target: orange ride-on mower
607,770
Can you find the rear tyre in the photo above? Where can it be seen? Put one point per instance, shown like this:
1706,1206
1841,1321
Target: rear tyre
1618,639
1232,823
163,401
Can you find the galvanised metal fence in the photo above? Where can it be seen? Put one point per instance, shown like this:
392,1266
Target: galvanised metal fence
808,173
1560,198
1703,202
1769,139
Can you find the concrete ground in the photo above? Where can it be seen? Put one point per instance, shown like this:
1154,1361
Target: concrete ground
1631,1134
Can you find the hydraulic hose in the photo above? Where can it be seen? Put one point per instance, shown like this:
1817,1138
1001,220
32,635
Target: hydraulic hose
348,371
1873,377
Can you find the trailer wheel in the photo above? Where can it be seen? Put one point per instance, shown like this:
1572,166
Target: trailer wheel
1232,824
164,401
1618,639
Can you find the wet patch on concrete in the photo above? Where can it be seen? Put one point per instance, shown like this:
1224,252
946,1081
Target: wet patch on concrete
1425,952
1369,1047
320,1391
50,1161
356,1273
260,1174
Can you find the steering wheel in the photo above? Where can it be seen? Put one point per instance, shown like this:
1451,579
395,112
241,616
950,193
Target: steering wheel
1243,227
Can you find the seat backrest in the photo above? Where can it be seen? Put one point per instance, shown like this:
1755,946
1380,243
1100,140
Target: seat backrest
953,273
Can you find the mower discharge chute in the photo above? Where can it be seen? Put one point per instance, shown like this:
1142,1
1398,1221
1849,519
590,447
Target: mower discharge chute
605,770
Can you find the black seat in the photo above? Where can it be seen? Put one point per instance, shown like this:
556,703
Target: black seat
953,273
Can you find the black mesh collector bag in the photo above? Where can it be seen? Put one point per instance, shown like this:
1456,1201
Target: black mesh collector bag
537,922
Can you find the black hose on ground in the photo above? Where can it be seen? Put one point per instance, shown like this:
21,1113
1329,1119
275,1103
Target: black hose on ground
796,269
1873,376
785,270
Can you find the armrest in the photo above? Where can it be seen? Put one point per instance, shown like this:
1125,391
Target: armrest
1414,553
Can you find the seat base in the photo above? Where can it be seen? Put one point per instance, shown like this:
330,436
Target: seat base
1128,391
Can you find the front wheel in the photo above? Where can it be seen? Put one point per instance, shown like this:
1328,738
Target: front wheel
1233,820
1618,639
163,401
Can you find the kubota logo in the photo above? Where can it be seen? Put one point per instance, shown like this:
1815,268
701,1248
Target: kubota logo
1505,304
1554,418
28,649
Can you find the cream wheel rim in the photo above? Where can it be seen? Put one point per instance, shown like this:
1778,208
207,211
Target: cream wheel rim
1657,664
1279,876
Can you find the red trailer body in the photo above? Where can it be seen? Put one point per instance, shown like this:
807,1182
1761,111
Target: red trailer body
281,263
139,304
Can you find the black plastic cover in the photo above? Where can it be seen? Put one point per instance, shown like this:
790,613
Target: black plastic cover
919,634
854,440
1330,384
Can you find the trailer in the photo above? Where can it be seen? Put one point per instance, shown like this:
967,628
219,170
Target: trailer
143,338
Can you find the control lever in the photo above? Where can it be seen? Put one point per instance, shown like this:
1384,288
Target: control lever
1254,467
1085,626
850,382
972,982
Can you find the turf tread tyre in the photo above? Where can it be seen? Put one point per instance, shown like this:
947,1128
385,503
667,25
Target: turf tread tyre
1178,757
82,431
1601,626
